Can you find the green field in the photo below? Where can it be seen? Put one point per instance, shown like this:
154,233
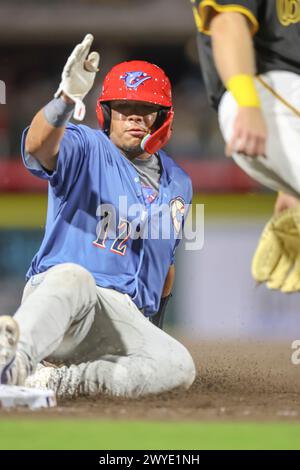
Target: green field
79,434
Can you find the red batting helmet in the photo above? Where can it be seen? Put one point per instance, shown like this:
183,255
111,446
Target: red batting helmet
138,80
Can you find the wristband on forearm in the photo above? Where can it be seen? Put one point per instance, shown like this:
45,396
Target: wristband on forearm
57,113
243,89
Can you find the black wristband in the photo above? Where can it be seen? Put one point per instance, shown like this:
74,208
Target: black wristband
158,318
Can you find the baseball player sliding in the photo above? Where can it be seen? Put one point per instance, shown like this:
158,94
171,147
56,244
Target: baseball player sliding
249,57
100,273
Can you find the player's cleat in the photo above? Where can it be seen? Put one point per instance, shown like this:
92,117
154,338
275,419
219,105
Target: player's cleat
9,337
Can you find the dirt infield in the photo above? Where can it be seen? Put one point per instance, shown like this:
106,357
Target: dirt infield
235,381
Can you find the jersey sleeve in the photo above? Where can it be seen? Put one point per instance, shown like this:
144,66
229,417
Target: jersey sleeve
205,10
188,206
73,151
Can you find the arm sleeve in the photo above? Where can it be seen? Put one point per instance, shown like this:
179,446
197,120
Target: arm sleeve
205,10
73,151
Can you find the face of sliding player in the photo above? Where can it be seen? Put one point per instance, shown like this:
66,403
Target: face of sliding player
131,121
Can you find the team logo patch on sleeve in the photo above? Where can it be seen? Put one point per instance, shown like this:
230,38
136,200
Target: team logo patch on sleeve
177,208
134,79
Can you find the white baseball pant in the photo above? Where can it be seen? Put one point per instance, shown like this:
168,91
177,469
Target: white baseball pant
105,342
281,169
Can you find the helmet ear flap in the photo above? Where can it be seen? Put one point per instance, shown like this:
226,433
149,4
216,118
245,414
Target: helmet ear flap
151,143
103,111
161,118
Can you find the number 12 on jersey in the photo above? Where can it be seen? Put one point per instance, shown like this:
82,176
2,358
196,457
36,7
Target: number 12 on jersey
119,243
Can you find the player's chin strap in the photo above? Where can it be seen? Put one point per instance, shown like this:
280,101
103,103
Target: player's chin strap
158,318
151,143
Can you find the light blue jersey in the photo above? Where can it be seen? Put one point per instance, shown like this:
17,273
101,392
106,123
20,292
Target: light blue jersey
92,173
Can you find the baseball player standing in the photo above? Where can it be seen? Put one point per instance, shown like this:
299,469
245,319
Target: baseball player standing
249,56
100,274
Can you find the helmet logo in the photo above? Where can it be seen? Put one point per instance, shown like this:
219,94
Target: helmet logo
134,79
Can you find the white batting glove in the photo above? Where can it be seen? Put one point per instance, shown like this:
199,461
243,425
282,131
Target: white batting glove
79,74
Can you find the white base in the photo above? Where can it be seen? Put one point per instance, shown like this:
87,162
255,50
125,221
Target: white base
12,396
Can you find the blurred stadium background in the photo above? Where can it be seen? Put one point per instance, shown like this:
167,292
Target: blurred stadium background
215,296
